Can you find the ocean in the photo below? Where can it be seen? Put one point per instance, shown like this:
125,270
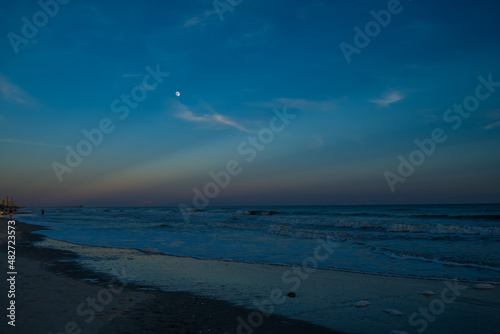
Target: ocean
425,241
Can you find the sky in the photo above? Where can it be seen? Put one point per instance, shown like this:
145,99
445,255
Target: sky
304,102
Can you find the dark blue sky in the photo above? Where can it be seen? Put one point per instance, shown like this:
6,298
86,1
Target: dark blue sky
353,119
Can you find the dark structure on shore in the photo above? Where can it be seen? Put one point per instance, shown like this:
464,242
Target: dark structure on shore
8,203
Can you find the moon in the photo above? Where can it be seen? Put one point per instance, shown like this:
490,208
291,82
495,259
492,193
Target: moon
177,94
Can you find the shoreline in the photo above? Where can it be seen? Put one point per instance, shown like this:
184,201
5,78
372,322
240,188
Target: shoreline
279,265
331,294
43,280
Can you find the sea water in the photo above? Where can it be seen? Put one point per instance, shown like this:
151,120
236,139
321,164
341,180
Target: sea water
428,241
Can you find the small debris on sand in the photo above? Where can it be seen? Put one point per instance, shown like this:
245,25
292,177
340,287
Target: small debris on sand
393,312
362,303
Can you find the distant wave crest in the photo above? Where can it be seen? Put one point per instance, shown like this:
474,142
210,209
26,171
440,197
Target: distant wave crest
256,212
421,228
471,217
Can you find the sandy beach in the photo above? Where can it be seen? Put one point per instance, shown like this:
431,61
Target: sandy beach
113,290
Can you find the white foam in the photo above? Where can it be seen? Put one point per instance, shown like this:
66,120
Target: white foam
429,293
393,312
362,303
483,286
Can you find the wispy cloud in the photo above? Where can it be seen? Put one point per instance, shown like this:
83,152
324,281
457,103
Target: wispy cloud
492,125
494,115
198,20
301,104
11,92
388,99
252,39
318,143
189,116
25,142
432,115
192,22
213,118
224,120
130,75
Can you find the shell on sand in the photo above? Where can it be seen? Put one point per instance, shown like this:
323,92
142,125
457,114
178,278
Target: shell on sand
429,293
362,303
483,286
393,312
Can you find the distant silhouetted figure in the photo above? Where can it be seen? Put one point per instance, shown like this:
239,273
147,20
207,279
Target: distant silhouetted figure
10,212
43,212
